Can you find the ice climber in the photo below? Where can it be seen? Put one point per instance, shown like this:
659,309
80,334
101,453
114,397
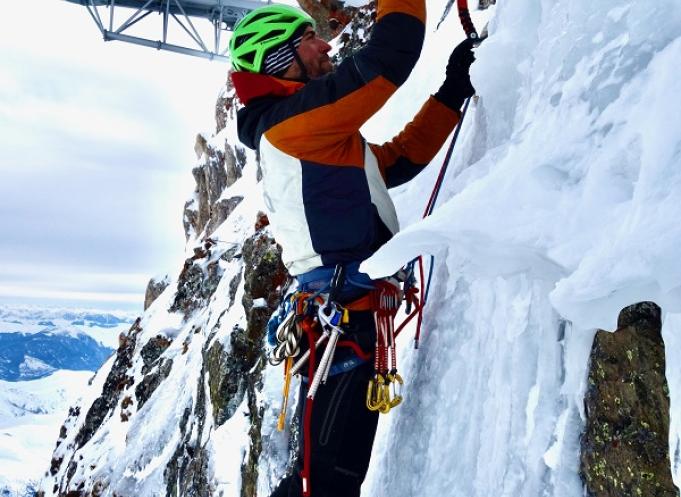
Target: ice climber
326,192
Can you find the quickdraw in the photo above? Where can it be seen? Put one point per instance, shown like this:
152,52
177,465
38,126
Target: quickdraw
380,396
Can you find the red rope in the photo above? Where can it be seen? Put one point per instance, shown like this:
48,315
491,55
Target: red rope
417,308
365,356
471,33
308,327
422,303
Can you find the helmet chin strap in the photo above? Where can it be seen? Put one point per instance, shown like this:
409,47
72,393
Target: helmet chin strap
304,77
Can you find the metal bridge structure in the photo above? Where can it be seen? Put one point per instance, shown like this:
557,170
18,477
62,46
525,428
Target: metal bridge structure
172,14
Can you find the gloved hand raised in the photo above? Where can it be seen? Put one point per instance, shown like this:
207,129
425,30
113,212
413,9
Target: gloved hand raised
457,86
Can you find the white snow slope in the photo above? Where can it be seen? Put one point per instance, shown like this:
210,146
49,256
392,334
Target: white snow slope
561,206
31,413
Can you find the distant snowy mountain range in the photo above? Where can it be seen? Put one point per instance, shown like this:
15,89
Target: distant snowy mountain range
31,356
34,342
47,357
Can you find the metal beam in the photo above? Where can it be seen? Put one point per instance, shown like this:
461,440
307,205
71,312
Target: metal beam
94,18
111,14
222,14
208,9
133,18
189,33
159,45
189,21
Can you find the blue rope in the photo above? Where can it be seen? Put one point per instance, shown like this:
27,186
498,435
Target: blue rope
430,277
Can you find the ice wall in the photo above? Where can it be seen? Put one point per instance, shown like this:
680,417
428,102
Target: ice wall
561,206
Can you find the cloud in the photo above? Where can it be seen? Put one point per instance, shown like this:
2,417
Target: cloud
20,293
69,112
96,152
59,285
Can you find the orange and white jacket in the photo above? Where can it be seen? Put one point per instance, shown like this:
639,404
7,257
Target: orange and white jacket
325,187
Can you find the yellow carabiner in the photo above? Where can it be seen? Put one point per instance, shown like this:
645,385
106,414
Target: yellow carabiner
385,399
371,400
375,393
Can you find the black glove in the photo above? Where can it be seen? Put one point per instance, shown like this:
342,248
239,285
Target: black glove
457,86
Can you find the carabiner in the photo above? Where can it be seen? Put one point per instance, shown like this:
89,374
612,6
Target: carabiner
397,383
375,399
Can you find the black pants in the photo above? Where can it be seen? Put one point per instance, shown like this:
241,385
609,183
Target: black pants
342,429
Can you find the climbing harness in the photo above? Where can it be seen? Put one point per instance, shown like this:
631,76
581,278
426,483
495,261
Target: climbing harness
323,321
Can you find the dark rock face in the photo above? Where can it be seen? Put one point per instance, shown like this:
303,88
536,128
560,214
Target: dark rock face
151,382
221,167
221,211
625,448
198,280
264,278
117,381
219,170
154,289
187,472
231,374
152,350
357,35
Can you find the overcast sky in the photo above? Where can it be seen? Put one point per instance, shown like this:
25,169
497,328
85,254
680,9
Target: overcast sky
96,152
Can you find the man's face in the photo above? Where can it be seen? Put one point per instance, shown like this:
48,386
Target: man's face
313,51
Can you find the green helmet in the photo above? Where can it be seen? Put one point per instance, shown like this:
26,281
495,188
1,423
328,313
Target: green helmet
262,30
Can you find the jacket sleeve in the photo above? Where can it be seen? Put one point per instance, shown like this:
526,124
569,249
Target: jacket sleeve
411,150
321,121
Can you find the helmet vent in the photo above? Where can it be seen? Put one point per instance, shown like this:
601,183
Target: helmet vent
259,16
275,33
